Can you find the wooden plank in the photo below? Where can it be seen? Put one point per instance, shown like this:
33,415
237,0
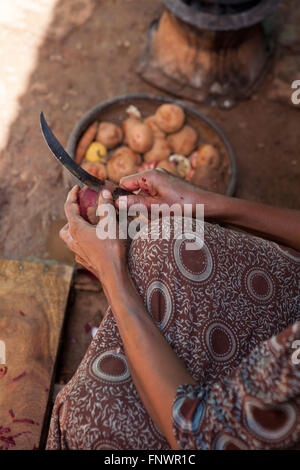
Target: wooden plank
33,298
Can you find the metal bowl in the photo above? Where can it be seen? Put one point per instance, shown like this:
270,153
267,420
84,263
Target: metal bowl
115,111
194,16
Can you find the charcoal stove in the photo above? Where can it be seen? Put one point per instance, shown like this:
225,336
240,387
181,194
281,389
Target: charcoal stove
211,51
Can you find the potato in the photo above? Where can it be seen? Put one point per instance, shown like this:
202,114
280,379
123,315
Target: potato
84,142
96,169
127,126
124,150
140,138
156,131
109,134
169,166
206,178
96,152
121,164
169,118
184,141
160,151
206,155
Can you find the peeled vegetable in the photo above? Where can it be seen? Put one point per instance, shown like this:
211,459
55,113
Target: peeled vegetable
184,141
96,169
109,134
96,152
88,200
206,155
122,164
160,151
140,138
85,141
169,118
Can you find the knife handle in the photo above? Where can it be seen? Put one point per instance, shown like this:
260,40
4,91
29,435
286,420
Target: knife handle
120,192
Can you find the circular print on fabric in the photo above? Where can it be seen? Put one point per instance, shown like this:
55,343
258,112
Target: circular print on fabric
195,265
159,303
259,285
106,445
227,442
110,367
286,253
220,341
271,423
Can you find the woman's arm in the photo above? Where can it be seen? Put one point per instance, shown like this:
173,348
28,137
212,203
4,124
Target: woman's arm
282,225
156,370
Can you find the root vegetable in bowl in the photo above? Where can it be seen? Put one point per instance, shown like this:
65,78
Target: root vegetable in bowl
140,138
170,118
85,141
96,169
156,131
125,150
96,152
168,166
124,162
206,155
163,129
159,151
109,134
127,125
184,141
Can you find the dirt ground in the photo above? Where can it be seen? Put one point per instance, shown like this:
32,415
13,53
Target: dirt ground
89,53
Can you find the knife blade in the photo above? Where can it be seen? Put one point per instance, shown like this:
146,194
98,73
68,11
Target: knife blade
57,150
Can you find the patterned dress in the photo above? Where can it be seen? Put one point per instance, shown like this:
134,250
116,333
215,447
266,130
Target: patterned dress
229,310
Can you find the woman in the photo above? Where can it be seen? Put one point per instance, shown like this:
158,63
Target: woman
198,348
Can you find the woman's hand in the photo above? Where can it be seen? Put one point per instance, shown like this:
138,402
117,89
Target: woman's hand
159,186
104,258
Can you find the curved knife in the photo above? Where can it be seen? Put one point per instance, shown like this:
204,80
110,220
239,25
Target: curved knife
77,171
